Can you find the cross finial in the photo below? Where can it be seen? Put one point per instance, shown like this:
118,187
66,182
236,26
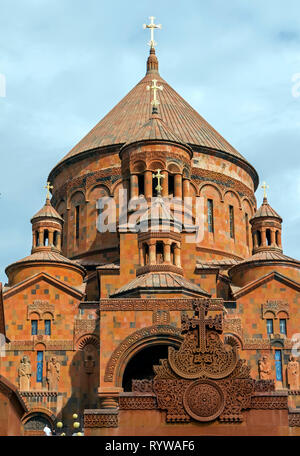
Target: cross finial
152,26
48,187
265,187
154,87
158,176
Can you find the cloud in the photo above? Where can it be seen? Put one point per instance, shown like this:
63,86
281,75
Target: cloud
68,63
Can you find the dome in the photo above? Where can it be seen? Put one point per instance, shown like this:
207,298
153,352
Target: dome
47,211
266,210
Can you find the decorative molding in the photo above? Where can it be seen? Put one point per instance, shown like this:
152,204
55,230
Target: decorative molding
233,325
100,418
159,268
294,419
272,401
275,307
29,345
256,344
138,402
85,327
156,304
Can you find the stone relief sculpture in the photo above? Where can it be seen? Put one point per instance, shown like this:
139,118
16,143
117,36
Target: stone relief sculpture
53,371
264,368
293,373
24,373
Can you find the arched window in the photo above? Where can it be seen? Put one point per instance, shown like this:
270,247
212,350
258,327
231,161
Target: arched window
231,221
77,221
210,215
146,253
258,234
247,228
171,184
39,366
268,236
46,237
173,246
37,238
277,238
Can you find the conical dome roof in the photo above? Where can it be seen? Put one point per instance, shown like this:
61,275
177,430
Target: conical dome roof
134,110
266,210
152,130
47,211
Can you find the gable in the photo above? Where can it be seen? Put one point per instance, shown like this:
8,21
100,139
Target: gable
278,282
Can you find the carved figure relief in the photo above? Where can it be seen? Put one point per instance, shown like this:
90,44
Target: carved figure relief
24,373
293,373
53,372
265,368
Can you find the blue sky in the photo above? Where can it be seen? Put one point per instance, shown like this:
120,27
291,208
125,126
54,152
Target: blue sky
68,62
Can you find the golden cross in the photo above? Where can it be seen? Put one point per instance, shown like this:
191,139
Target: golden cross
265,186
158,176
152,26
48,187
154,87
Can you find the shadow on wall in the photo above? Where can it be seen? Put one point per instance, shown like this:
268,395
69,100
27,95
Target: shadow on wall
84,375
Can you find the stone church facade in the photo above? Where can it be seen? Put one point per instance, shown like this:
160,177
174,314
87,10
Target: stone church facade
89,313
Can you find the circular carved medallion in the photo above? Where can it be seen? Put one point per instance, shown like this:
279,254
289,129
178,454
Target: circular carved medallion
204,400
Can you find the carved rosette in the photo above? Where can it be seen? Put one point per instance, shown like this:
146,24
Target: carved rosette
204,400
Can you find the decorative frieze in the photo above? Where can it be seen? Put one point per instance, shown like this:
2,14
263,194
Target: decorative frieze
138,402
156,304
271,401
40,307
232,325
275,306
100,418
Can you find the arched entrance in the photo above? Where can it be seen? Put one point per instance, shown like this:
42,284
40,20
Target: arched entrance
140,366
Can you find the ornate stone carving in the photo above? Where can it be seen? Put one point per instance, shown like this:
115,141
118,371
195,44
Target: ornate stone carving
40,306
53,373
155,304
275,307
85,326
142,386
294,419
161,317
100,419
293,373
270,402
261,386
204,379
138,403
24,373
232,325
264,368
204,400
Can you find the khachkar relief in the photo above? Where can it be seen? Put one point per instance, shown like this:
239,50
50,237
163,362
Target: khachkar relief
24,373
293,373
204,379
53,372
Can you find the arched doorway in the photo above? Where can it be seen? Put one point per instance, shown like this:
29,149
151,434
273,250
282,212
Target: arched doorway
140,366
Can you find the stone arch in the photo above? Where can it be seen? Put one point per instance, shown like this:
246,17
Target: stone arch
246,203
235,194
72,195
138,167
36,419
282,314
268,314
151,335
38,410
87,339
47,316
186,173
103,187
155,165
34,315
174,168
39,346
209,184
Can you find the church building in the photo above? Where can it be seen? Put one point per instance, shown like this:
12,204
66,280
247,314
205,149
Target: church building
176,311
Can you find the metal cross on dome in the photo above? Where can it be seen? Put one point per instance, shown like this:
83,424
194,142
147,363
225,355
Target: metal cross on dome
158,176
265,186
48,187
155,88
152,26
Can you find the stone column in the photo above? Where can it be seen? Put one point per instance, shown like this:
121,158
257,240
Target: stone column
58,246
141,254
167,252
186,187
134,187
177,256
273,240
178,186
263,237
148,184
152,253
279,239
50,238
41,236
33,239
165,184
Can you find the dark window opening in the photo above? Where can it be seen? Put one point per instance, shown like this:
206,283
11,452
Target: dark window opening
258,237
77,221
141,184
231,221
173,253
171,184
247,228
146,253
37,238
159,252
277,238
268,237
210,215
140,367
46,237
55,238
